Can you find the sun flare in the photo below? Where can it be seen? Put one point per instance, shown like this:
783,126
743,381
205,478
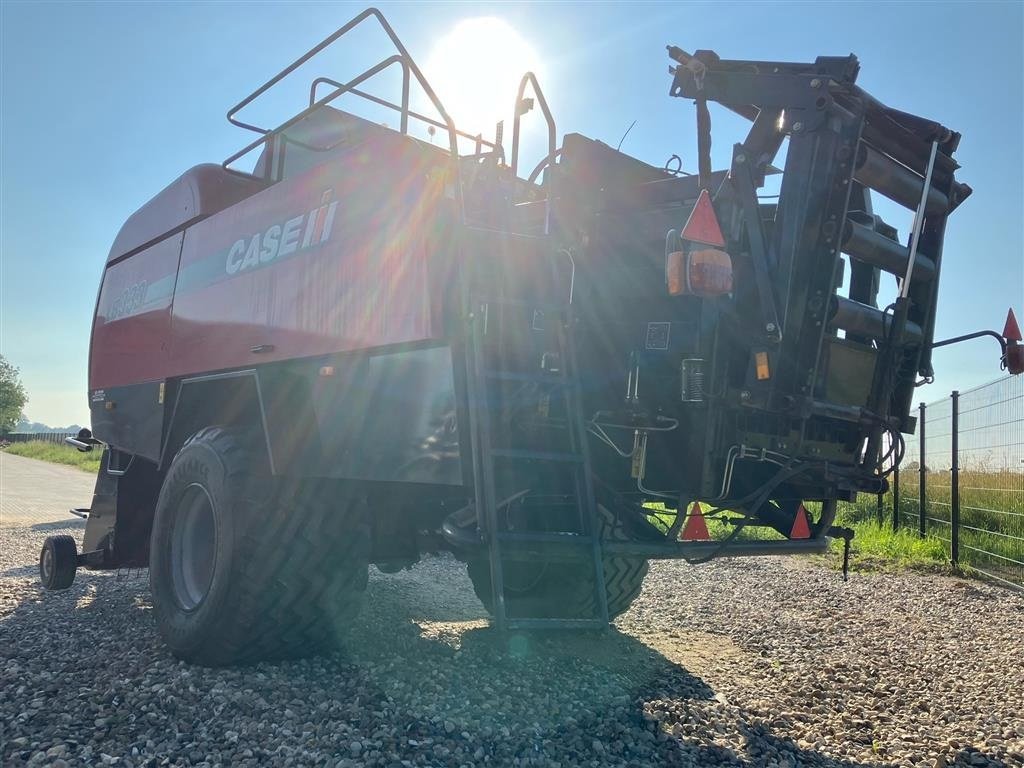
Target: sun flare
475,70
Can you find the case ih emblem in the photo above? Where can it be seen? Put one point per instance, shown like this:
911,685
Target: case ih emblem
279,240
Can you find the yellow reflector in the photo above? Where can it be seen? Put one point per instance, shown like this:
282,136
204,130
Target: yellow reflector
675,267
761,364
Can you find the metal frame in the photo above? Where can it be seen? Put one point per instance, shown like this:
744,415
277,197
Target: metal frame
521,107
842,143
409,68
403,108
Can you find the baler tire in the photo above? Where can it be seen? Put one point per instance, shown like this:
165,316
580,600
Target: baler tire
58,562
289,563
566,590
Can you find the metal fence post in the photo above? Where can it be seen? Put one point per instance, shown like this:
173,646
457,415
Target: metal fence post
896,498
954,481
922,481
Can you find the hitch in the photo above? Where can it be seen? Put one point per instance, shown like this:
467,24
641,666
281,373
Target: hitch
83,441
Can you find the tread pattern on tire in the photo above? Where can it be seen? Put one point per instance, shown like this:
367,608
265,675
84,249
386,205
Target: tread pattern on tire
301,568
65,553
567,590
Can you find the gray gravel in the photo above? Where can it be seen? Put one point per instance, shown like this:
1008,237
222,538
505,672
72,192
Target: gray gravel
772,662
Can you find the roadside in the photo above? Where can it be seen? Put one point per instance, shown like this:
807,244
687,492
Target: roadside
40,492
55,454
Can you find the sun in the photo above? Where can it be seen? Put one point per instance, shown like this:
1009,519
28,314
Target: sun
475,71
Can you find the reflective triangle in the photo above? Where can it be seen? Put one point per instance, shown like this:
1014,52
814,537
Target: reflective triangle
702,226
696,528
1011,331
801,529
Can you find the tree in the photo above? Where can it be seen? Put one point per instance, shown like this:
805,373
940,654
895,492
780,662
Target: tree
12,396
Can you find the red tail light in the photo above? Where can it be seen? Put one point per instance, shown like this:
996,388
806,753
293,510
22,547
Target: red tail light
1014,357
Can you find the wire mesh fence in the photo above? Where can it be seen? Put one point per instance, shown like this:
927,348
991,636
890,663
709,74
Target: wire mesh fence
962,478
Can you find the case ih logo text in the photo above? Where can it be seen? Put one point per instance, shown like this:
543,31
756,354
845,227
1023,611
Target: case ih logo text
296,234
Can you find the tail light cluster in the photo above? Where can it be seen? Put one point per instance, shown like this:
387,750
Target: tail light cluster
696,263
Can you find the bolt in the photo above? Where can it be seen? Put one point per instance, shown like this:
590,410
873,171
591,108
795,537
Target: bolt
815,83
797,127
741,158
770,327
745,396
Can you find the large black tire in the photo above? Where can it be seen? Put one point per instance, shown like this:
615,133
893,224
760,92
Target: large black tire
563,590
282,573
58,562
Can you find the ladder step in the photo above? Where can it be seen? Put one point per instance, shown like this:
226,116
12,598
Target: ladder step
515,453
545,538
556,624
539,378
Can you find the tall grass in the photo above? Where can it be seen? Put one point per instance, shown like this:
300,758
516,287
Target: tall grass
991,516
57,454
878,545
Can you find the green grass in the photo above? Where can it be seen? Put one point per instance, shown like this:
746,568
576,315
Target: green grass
57,454
991,515
879,546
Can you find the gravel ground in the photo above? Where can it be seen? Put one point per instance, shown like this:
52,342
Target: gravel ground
768,663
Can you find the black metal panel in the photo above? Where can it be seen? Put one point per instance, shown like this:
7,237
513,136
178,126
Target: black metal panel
121,513
130,418
388,417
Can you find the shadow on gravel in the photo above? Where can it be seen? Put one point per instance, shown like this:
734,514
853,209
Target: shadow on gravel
21,572
451,690
60,525
571,697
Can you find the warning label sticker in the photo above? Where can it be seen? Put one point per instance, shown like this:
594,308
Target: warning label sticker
657,335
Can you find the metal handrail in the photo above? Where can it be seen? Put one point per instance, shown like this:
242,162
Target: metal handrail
403,57
531,79
404,109
268,137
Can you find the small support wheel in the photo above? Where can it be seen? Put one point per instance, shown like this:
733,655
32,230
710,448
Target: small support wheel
58,562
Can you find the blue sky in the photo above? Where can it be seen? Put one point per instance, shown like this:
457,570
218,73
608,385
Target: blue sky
103,104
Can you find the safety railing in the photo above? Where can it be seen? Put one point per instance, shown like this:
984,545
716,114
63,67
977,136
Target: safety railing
410,71
962,479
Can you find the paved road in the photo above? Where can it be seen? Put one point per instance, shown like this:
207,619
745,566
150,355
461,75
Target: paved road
33,491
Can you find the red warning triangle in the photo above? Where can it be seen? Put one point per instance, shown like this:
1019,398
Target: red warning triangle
696,529
702,226
1011,331
801,529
